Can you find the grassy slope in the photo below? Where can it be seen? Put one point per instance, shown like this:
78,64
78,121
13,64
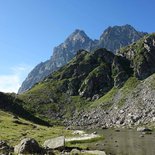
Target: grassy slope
44,99
13,132
10,103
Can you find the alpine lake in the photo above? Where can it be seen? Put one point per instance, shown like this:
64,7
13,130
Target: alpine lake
125,142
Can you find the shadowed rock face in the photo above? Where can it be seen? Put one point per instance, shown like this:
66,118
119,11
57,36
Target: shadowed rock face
142,56
112,38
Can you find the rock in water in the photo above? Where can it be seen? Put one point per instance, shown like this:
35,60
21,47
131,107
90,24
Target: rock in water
27,146
55,143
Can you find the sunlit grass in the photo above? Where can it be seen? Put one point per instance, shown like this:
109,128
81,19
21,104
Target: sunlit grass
13,132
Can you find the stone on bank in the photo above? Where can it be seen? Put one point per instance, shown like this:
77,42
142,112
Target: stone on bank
27,146
55,143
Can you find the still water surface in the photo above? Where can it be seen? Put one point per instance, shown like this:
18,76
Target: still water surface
125,142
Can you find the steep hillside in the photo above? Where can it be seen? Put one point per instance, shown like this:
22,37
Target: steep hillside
141,55
87,77
112,38
132,105
10,104
99,89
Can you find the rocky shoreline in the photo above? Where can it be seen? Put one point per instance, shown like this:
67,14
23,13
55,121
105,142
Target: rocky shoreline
59,145
50,146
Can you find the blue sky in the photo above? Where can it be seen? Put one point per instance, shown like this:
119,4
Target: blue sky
29,29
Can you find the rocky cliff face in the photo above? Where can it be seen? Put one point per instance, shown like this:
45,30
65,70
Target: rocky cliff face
113,38
142,56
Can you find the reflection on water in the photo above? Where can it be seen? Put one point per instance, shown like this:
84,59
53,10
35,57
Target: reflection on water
126,142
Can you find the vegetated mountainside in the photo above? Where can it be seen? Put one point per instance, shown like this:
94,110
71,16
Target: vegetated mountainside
100,89
112,38
10,104
54,97
133,103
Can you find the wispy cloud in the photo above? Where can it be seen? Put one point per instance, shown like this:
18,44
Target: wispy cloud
13,80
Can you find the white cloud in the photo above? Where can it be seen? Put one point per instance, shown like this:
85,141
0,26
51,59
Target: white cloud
9,83
12,81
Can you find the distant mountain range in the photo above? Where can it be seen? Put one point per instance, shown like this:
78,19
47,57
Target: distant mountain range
113,38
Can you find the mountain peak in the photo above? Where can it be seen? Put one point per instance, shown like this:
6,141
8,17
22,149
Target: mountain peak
78,35
115,37
126,27
78,31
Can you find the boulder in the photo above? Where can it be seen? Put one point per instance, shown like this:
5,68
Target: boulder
75,152
27,146
55,143
143,129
